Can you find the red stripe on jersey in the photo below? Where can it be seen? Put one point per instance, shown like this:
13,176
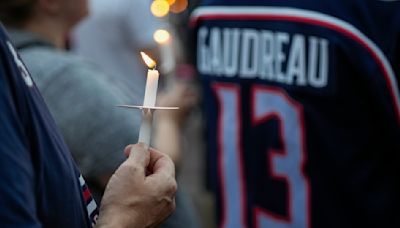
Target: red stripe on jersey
86,195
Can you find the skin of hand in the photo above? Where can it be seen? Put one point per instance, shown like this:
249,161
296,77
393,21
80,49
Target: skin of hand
141,192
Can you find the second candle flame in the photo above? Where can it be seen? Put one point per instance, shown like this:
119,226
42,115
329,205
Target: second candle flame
149,62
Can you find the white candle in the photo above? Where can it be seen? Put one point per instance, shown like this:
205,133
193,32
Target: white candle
150,93
149,101
145,127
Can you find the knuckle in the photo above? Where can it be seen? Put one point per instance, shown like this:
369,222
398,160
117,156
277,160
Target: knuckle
174,186
168,188
170,203
127,150
171,187
130,167
128,147
172,206
134,168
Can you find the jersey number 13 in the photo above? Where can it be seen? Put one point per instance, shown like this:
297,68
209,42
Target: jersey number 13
286,165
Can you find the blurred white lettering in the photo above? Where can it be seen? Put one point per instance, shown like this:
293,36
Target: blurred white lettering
292,59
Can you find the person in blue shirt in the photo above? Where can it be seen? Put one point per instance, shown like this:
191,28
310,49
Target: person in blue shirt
303,110
40,185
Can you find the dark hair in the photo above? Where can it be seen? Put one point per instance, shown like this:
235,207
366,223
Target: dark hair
16,12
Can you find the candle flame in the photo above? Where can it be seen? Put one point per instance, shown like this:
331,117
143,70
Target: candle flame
149,62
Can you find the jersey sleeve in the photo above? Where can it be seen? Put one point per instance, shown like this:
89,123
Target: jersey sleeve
17,175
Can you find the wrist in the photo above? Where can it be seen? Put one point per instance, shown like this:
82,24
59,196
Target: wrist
169,122
118,218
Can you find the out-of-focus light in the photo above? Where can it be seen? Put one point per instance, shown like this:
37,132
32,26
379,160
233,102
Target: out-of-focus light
179,6
170,2
161,36
159,8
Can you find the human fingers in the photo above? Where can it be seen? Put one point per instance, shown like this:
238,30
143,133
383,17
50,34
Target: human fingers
162,177
138,157
127,150
161,163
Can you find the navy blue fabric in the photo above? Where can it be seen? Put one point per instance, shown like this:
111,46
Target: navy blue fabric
39,182
351,125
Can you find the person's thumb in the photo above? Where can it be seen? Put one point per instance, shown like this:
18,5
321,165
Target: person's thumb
139,156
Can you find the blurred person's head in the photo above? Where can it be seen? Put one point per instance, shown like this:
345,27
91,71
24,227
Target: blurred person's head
20,12
43,16
16,12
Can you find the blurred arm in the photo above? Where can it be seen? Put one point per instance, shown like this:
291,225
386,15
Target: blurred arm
169,123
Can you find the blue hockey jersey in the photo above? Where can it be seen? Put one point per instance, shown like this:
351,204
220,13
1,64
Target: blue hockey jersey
40,185
303,112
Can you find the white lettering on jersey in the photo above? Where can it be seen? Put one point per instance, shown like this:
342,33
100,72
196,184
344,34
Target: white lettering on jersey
292,59
231,51
281,39
24,72
216,51
202,51
321,79
296,66
249,53
266,57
